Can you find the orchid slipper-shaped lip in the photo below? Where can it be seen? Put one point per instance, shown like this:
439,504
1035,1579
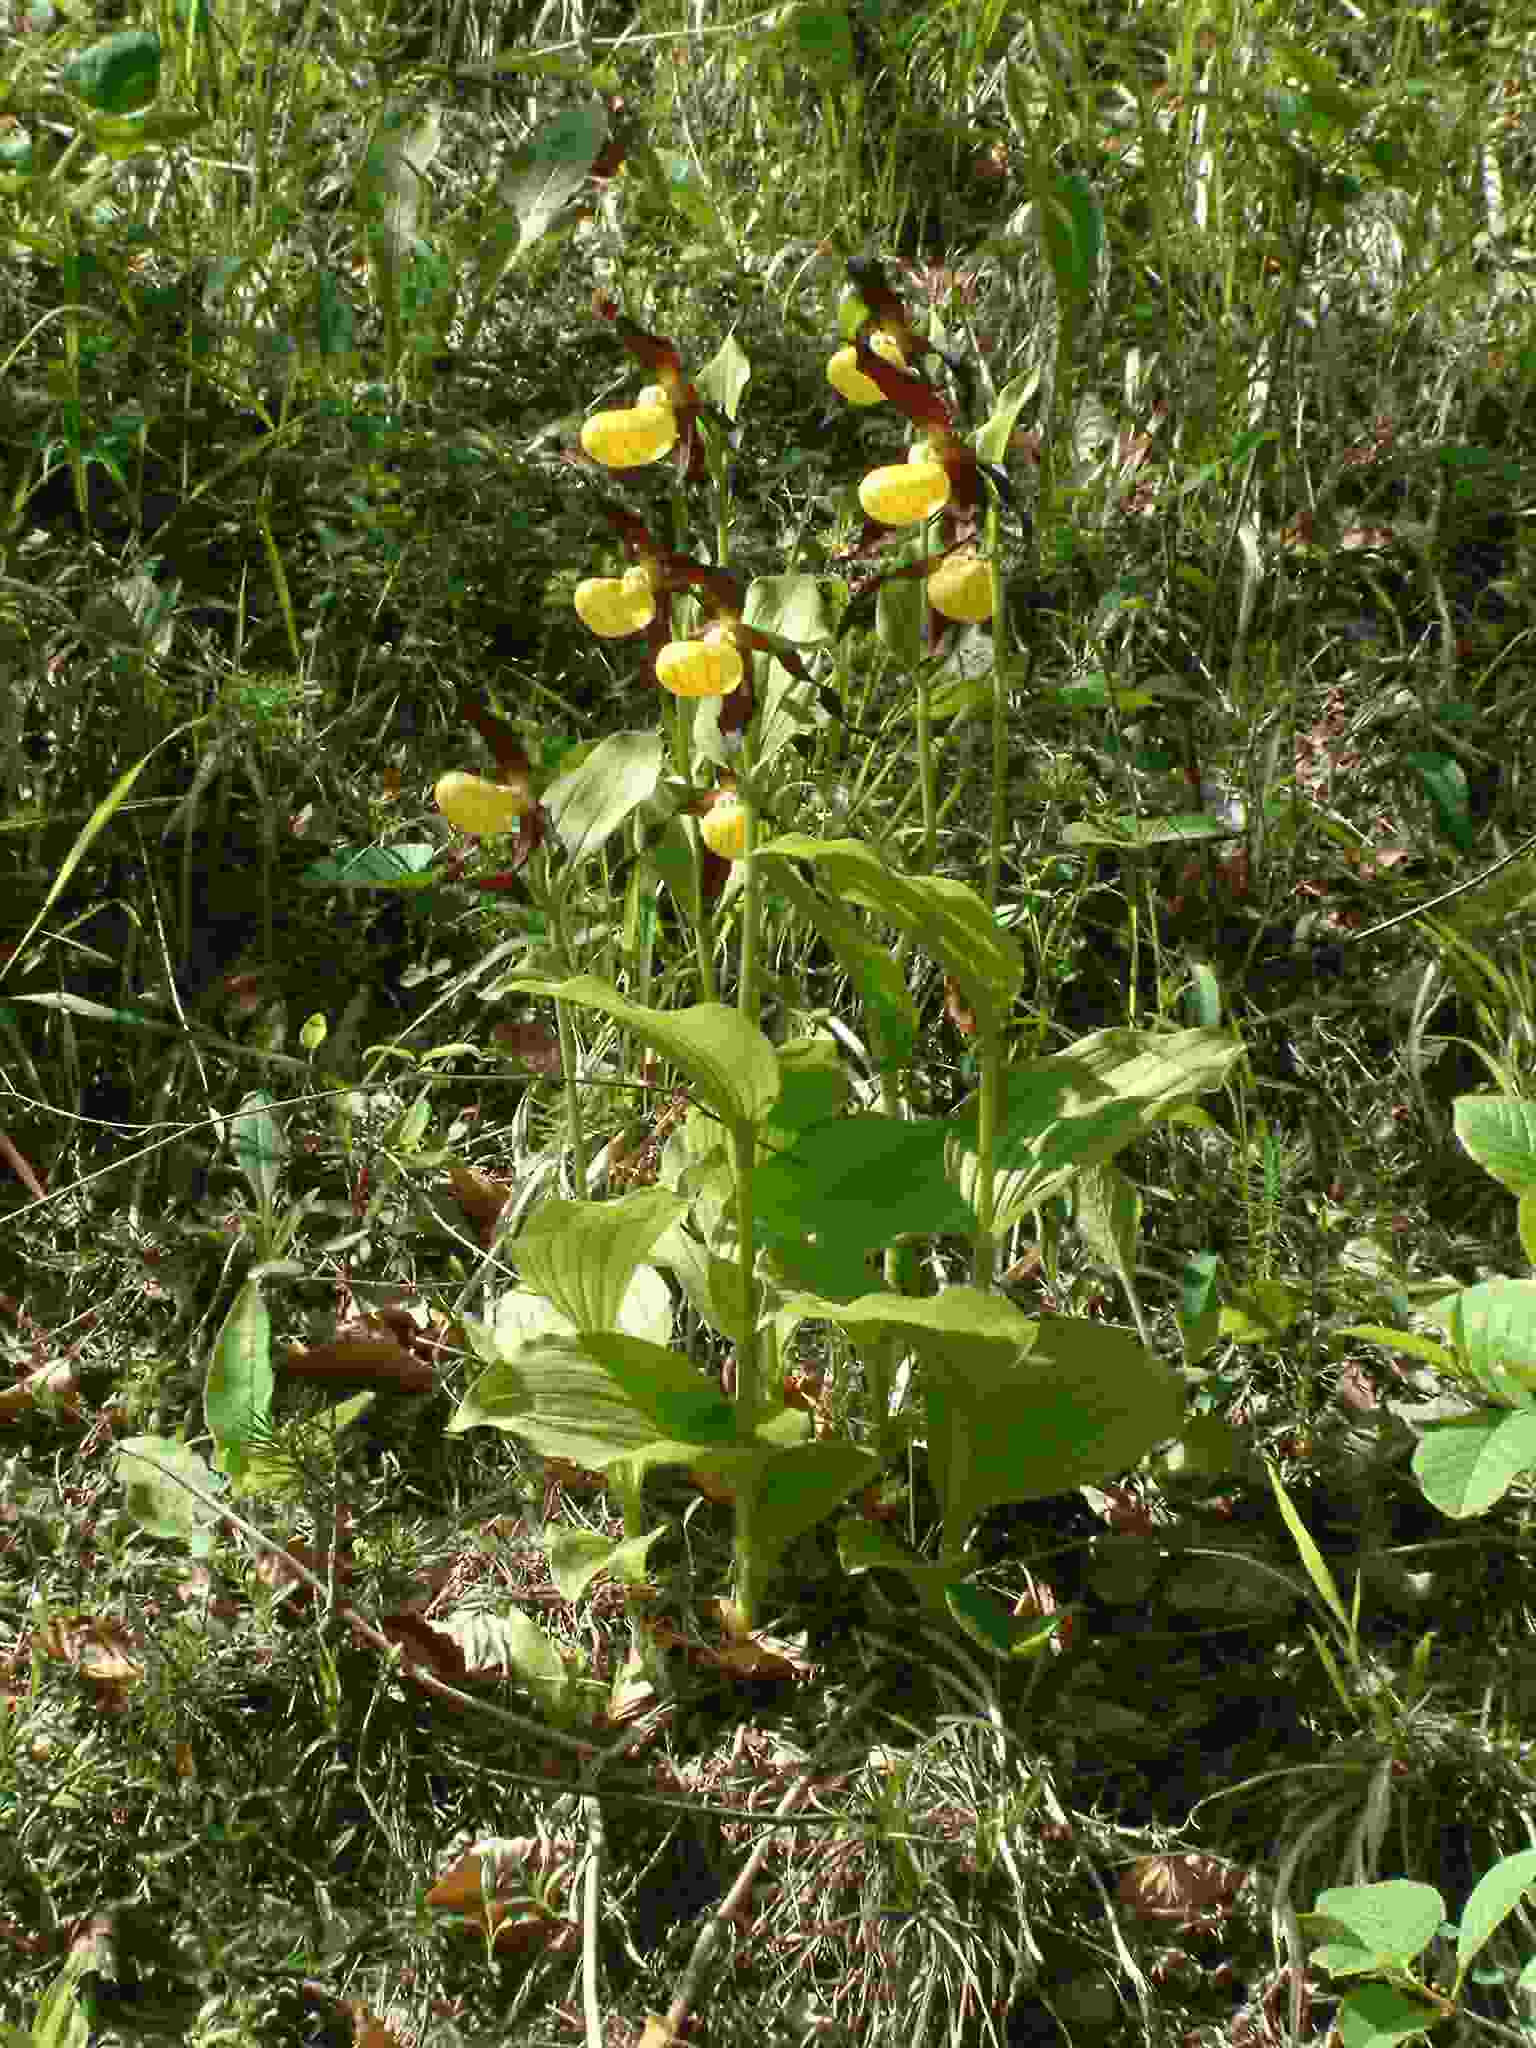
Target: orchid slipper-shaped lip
634,435
475,805
906,491
961,589
844,374
723,827
708,667
614,606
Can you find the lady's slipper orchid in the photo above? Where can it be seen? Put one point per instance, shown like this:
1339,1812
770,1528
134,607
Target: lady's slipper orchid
961,589
844,374
616,605
905,491
708,667
723,827
475,805
633,436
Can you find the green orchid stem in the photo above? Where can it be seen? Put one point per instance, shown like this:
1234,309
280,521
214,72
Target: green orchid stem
984,1194
748,1378
747,998
575,1129
999,820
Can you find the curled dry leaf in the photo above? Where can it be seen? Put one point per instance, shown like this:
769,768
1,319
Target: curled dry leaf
370,1361
99,1650
526,1039
1180,1890
480,1197
517,1866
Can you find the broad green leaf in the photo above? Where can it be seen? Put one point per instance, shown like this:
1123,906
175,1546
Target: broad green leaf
890,1014
1380,1925
1493,1327
1525,1219
237,1396
712,1284
1494,1897
392,181
947,919
1057,1118
590,804
577,1556
374,867
1019,1410
147,1467
1499,1132
1130,834
1311,1557
1378,2015
725,376
119,75
126,135
1199,1304
1464,1466
844,1189
729,1061
596,1398
540,179
1444,782
581,1255
798,1487
256,1139
1157,1069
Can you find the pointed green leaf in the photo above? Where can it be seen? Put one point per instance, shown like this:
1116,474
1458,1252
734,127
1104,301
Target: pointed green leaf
598,1397
1465,1466
1108,1217
1311,1557
799,1487
374,867
728,1060
539,180
61,2020
890,1014
146,1466
1378,2015
725,376
581,1255
1494,1897
578,1556
1131,834
237,1397
993,439
1499,1132
947,919
1444,782
257,1141
1388,1923
590,804
869,1546
988,1623
1493,1327
119,75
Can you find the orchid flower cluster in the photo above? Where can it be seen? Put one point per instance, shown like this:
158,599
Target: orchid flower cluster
939,481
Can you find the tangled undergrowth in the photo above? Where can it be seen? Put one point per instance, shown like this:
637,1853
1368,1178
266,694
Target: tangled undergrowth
765,1026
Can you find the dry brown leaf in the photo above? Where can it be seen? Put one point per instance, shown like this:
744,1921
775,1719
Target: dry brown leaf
99,1650
1180,1889
481,1198
371,1361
